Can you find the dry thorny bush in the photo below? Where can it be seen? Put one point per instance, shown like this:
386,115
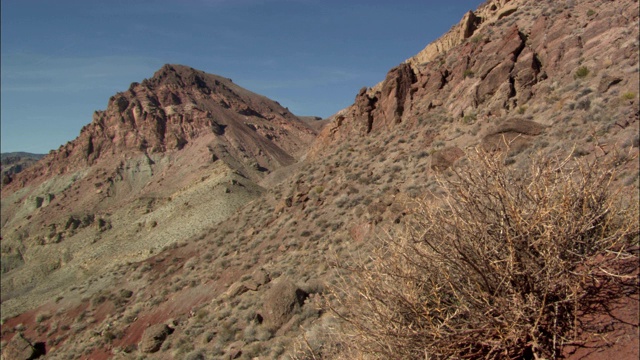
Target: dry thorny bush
500,264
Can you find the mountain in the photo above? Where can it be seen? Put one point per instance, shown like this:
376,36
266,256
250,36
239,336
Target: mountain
182,141
194,219
182,107
511,60
15,162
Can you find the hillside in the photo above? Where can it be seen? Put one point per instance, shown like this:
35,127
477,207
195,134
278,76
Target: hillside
187,146
15,162
216,220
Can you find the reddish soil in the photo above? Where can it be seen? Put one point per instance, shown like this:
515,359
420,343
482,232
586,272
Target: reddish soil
613,325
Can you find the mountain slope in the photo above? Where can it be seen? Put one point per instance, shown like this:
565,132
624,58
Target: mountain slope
187,146
545,78
513,59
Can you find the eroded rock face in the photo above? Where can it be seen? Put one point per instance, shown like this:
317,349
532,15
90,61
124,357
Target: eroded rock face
498,61
171,110
386,106
364,106
395,95
374,109
469,24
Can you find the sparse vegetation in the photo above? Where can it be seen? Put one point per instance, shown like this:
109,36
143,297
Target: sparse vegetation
476,39
469,119
491,273
581,73
500,269
629,95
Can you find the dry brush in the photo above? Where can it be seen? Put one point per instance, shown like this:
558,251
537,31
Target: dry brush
500,263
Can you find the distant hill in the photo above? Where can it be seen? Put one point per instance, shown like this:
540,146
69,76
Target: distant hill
195,219
15,162
10,157
315,122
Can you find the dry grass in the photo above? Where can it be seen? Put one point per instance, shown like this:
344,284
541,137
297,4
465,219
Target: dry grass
500,264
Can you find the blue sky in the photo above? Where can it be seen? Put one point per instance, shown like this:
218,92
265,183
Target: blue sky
63,59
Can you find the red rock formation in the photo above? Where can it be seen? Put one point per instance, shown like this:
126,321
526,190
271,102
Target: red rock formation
497,60
173,108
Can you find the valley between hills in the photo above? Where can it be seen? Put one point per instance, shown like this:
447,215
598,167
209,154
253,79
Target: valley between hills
481,201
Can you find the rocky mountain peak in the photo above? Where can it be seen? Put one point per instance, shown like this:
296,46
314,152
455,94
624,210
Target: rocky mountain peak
184,77
179,106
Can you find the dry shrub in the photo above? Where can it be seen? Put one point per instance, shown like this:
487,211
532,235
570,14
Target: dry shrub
501,264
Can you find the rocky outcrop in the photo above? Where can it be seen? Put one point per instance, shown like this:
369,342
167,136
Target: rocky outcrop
281,301
153,337
374,109
395,95
496,63
174,108
20,348
466,28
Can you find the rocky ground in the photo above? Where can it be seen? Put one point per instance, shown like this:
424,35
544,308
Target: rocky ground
231,238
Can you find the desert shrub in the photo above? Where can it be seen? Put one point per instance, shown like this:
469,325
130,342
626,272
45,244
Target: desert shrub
42,317
469,119
476,39
341,201
582,72
498,264
318,341
196,355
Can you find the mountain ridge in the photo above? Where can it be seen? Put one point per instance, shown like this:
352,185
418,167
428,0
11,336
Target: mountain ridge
182,138
497,73
143,119
549,79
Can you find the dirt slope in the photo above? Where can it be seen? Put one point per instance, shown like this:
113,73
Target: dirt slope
550,78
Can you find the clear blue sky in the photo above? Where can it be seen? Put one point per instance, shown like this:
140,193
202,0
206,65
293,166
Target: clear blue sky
63,59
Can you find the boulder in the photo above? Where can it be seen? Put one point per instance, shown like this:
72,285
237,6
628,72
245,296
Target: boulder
19,348
261,277
513,134
608,81
445,158
153,337
237,289
281,301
